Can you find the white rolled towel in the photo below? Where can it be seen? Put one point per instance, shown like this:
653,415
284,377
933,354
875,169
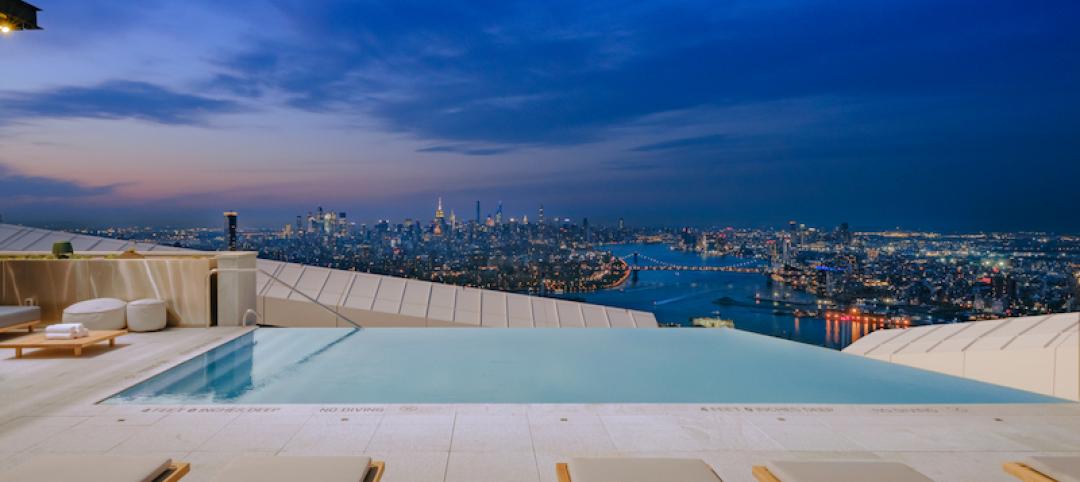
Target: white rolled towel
67,330
60,336
63,328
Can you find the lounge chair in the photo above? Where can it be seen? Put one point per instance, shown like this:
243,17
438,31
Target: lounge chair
271,468
836,471
19,317
618,469
97,468
1045,469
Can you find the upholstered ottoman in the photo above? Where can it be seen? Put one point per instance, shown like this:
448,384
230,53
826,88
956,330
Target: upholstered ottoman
97,314
146,315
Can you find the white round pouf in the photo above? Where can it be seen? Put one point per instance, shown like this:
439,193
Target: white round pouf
97,314
146,315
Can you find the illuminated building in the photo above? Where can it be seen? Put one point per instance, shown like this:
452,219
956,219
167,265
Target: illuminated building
439,214
230,230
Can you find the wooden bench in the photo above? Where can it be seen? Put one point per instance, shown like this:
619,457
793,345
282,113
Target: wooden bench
38,340
28,326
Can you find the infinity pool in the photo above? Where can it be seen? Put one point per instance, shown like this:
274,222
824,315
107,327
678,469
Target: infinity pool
385,365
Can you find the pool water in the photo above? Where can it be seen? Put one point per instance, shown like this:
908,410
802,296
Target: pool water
453,365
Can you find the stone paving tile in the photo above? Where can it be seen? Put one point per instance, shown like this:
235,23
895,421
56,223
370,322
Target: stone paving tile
254,438
420,437
572,439
108,419
492,467
330,439
166,438
491,437
86,439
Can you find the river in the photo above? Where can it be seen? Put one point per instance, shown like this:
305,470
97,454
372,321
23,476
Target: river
676,297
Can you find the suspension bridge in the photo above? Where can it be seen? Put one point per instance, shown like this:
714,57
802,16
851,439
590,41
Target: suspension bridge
633,262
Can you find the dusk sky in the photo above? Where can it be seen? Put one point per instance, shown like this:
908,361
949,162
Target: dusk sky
952,115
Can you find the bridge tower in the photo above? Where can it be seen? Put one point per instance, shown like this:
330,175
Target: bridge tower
634,270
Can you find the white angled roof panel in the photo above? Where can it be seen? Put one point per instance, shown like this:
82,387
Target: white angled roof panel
570,315
334,289
310,283
620,318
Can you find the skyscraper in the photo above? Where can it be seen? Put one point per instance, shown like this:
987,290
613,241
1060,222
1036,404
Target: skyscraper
230,230
499,214
439,214
327,222
540,220
843,234
477,212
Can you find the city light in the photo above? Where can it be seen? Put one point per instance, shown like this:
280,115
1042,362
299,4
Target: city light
870,281
5,28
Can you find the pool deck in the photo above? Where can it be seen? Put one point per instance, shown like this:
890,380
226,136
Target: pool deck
49,406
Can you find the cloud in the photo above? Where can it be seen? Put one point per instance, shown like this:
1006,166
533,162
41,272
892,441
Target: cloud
512,72
683,143
467,150
22,189
114,100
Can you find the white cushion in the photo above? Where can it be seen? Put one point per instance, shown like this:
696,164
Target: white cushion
1062,468
618,469
88,468
269,468
97,314
146,315
844,471
14,315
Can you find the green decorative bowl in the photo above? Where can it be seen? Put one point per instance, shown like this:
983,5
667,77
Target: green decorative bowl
62,249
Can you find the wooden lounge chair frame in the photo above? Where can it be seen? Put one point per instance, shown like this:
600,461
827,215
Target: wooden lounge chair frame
375,471
762,474
29,325
76,344
562,471
1026,473
175,472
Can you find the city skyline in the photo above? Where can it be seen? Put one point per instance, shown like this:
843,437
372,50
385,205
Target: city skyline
956,117
275,220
